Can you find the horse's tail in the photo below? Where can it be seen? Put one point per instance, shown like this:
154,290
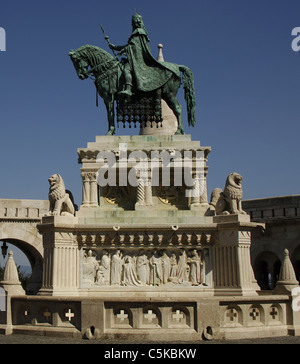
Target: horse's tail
189,93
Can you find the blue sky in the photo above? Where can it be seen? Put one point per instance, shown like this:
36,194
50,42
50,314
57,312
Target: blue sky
246,79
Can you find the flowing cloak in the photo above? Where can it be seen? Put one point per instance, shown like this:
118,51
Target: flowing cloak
148,73
174,267
142,268
166,265
155,270
89,269
129,275
182,265
195,270
105,262
116,269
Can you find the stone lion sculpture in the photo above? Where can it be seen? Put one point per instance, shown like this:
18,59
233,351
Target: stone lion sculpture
60,201
229,201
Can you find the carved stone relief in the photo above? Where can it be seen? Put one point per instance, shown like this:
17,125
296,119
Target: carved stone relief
143,267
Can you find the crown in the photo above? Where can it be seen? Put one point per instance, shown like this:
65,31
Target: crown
136,15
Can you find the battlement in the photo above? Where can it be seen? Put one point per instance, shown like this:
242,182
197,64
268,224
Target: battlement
29,209
268,209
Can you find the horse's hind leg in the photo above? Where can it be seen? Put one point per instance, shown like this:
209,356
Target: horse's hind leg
110,116
175,106
169,92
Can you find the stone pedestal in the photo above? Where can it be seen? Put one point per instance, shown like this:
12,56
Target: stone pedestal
169,125
170,172
149,259
233,273
150,230
61,262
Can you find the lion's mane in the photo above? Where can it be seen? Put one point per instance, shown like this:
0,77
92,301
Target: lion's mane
58,190
233,187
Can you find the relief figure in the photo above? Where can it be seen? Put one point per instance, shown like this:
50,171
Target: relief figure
195,263
166,267
142,264
105,264
155,269
137,269
129,274
116,268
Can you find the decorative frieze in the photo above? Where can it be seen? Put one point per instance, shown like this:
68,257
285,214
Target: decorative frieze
172,238
144,267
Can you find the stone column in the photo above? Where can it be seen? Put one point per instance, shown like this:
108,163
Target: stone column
89,189
144,190
140,194
195,193
233,273
203,197
93,190
198,193
85,189
148,189
61,261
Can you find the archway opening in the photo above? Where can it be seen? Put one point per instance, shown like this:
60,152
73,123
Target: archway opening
266,269
295,258
28,262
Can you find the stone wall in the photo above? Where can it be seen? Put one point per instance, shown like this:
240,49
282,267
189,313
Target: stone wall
18,209
281,216
186,319
267,209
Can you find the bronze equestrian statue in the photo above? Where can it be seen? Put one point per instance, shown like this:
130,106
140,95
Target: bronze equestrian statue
137,76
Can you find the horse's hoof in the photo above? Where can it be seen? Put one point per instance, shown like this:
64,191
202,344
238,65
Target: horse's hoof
179,132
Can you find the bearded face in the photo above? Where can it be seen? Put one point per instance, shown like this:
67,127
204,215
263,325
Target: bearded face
137,22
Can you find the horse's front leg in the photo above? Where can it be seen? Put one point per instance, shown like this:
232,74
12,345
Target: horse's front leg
110,116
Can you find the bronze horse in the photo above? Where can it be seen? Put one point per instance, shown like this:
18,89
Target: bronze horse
93,61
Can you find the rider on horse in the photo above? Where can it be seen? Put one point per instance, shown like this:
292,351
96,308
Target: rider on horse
141,69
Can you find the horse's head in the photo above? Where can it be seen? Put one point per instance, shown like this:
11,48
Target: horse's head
80,63
88,60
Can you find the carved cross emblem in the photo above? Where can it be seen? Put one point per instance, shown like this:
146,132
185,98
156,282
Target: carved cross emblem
122,316
178,316
150,316
69,314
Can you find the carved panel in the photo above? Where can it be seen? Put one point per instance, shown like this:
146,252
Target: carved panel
143,267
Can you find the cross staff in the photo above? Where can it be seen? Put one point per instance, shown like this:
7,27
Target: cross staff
107,39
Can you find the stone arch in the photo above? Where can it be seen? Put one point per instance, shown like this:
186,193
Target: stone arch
266,269
275,314
26,237
123,317
256,315
233,315
152,316
180,316
295,259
